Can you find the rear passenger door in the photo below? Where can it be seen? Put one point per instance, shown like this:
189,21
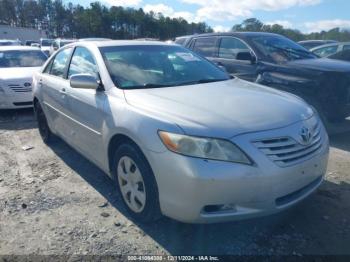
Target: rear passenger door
54,92
229,47
86,107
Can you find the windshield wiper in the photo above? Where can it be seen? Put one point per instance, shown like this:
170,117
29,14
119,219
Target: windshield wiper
147,85
202,81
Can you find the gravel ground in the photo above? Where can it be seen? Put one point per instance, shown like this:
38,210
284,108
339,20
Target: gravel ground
53,201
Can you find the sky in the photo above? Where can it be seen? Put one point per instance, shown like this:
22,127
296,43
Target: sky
305,15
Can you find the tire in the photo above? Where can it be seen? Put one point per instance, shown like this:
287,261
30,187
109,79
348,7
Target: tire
43,127
136,183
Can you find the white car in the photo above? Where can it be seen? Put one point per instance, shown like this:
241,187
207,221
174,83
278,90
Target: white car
17,66
45,45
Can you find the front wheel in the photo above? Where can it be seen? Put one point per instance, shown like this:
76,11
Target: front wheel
136,183
43,127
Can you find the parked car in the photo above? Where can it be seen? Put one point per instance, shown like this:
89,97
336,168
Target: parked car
182,40
8,42
30,42
342,55
58,43
330,49
309,44
180,136
45,45
278,62
17,66
94,39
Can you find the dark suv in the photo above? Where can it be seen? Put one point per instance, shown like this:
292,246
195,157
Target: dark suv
278,62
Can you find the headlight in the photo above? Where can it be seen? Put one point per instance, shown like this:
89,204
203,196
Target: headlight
207,148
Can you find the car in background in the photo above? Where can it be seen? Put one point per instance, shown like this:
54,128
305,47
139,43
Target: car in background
330,49
9,42
59,42
180,136
309,44
94,39
276,61
17,66
45,45
182,40
35,45
342,55
30,42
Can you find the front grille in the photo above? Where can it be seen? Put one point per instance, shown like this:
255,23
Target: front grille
19,88
286,151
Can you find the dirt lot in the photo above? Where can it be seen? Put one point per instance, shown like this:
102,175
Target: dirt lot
54,201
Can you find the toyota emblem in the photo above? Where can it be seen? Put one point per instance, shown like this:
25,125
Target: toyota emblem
305,135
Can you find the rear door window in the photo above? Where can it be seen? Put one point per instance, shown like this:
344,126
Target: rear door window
205,46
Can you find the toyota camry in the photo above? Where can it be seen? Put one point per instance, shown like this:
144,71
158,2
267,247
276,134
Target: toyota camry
177,134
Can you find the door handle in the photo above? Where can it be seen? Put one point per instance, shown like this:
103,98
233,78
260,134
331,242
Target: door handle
63,93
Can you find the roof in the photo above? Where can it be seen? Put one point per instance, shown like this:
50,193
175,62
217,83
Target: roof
232,34
330,44
19,48
120,43
8,40
317,41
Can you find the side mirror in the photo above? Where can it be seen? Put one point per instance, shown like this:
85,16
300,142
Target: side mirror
246,56
84,81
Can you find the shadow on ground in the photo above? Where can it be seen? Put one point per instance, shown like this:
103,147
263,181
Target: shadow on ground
19,119
304,228
318,225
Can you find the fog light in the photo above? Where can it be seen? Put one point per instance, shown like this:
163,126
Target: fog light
220,208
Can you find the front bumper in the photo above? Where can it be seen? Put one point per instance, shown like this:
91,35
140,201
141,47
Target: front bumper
189,188
16,101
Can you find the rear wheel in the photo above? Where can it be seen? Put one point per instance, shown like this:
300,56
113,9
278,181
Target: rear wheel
43,127
136,183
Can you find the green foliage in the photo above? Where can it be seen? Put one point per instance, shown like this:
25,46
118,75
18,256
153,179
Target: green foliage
254,25
97,20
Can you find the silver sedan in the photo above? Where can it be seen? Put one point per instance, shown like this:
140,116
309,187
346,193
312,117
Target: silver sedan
179,136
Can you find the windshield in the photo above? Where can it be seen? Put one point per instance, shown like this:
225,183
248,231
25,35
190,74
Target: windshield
158,66
15,58
281,49
46,42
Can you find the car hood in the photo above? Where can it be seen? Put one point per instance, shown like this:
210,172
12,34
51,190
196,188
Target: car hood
221,109
321,64
17,73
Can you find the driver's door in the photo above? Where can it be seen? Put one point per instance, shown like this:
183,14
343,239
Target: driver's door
87,107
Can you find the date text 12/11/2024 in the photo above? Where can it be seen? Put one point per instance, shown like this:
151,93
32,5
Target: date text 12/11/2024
173,258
